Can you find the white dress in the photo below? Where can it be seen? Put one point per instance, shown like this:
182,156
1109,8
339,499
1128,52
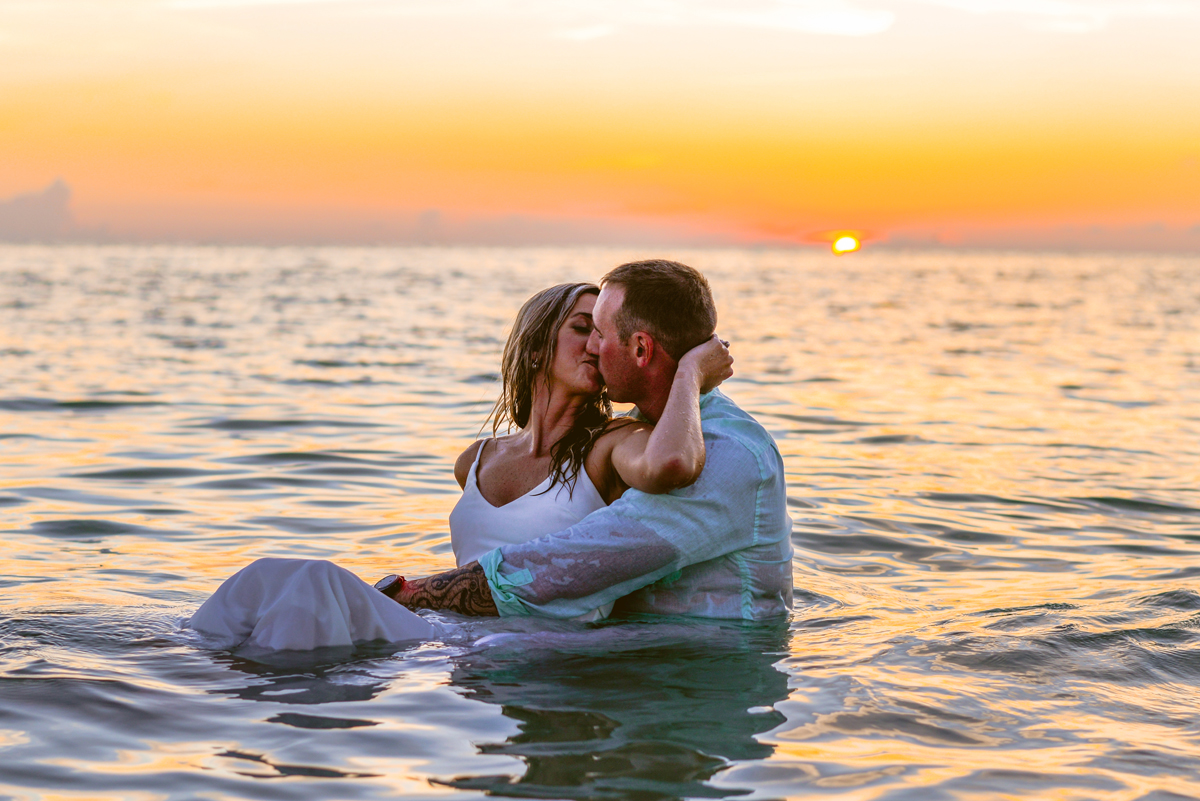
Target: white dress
301,604
476,526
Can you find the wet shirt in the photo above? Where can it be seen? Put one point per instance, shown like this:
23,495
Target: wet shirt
720,548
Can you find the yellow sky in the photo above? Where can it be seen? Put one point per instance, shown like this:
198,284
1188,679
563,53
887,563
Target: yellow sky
989,121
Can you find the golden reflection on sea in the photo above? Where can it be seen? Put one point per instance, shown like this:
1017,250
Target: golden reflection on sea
993,475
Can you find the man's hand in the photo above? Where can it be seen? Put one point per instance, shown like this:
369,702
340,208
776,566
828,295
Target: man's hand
464,590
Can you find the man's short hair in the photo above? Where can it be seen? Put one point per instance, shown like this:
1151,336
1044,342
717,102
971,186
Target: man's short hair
666,299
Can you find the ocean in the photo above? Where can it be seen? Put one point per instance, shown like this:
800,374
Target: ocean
993,465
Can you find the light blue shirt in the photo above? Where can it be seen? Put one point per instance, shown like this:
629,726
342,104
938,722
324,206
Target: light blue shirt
720,548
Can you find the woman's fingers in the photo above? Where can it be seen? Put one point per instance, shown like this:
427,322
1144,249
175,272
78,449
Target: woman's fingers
710,361
713,362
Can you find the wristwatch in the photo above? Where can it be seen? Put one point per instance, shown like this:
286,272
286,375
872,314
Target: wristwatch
390,585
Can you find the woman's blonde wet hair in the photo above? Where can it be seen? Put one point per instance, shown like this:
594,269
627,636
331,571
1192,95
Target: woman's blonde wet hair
528,354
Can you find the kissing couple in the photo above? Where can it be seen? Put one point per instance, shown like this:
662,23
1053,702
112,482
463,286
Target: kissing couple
676,509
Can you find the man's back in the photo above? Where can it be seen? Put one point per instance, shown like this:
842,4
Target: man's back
753,579
719,548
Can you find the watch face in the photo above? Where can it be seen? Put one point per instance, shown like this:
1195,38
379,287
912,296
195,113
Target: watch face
389,585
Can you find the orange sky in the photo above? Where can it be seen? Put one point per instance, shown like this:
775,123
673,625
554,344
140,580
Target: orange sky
975,121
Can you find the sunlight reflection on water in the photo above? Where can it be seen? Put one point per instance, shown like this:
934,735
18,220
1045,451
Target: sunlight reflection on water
993,465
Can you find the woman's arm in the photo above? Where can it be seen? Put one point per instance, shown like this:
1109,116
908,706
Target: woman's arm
671,455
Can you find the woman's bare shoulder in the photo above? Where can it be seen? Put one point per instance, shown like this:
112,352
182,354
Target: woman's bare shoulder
462,465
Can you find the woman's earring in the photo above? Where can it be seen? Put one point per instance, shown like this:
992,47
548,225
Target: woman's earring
535,364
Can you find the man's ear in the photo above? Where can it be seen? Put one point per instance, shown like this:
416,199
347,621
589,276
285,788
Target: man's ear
643,348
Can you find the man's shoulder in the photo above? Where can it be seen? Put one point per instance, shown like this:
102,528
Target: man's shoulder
721,417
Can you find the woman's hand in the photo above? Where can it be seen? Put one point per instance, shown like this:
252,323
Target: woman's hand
709,362
671,455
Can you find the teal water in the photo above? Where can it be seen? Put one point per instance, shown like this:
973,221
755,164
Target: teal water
994,474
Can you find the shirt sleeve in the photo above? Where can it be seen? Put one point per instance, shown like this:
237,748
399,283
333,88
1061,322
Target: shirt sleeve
636,541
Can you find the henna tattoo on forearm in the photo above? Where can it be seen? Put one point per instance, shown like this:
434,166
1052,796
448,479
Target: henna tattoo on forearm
464,590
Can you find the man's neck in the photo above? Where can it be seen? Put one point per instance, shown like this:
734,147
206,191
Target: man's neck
658,390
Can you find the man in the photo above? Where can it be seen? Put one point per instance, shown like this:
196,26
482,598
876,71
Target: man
719,548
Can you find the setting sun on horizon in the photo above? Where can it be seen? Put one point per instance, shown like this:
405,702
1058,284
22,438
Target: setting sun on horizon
846,244
930,122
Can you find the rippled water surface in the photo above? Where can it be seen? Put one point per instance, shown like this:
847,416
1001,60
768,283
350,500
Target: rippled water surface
994,473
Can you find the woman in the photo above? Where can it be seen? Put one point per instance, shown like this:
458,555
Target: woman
568,458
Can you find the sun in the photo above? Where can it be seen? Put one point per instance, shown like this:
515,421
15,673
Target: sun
845,244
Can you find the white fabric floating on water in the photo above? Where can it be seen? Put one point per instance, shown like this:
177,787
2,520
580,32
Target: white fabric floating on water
300,604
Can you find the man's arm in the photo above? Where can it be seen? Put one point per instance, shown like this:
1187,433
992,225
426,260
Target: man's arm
464,590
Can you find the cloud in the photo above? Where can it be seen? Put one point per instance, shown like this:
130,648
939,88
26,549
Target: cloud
38,216
1075,16
1151,237
230,223
828,18
590,19
583,20
200,4
586,33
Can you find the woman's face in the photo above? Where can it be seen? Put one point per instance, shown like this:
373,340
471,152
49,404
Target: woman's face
573,368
